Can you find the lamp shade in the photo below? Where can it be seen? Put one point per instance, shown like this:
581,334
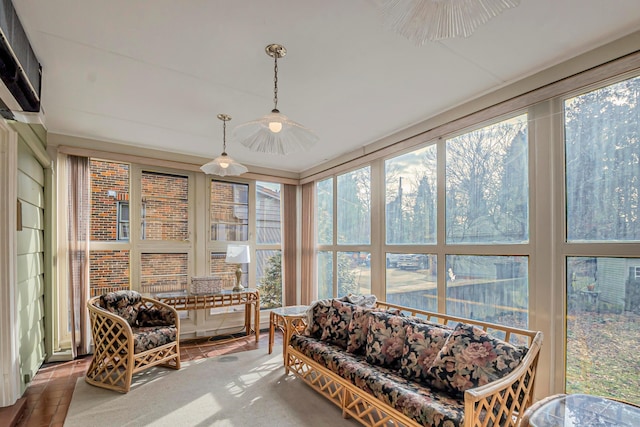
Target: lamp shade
224,165
238,254
275,133
423,20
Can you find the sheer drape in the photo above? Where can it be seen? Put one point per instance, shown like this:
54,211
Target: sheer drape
290,237
79,216
308,250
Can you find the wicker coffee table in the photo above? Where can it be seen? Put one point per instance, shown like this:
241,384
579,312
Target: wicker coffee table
289,320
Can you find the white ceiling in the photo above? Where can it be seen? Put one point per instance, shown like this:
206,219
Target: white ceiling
155,73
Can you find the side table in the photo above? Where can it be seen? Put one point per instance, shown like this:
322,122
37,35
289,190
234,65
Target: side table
290,320
584,410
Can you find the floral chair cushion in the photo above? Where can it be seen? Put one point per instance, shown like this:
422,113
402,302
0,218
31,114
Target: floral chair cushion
336,327
423,342
150,337
385,340
122,303
471,358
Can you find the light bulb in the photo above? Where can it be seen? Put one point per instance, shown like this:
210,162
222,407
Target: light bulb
224,165
275,127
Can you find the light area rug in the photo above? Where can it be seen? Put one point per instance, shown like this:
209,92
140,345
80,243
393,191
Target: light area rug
240,389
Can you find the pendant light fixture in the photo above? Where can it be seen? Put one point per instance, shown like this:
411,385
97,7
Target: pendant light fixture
275,133
223,164
430,20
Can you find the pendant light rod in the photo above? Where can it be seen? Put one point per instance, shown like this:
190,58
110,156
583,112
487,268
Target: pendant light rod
225,118
275,51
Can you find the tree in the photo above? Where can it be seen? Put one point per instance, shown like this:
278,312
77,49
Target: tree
271,283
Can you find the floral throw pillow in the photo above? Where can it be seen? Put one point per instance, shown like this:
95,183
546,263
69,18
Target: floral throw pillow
385,340
471,358
423,342
336,327
124,303
318,319
359,327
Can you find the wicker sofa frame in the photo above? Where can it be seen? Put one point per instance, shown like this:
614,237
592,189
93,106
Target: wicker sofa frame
488,405
114,360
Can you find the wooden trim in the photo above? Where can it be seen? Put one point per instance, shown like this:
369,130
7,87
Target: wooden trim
260,174
9,348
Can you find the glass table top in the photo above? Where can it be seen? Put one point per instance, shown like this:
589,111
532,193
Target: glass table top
292,310
582,410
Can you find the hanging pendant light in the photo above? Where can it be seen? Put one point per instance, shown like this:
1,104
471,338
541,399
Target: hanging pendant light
223,164
423,20
275,133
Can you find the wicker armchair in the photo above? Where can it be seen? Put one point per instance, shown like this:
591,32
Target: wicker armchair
130,333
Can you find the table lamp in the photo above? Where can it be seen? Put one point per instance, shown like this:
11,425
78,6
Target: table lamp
238,254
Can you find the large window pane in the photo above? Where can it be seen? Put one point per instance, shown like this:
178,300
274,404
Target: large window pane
354,207
489,288
268,220
410,195
109,200
487,184
412,280
269,277
324,211
164,272
603,327
354,273
229,211
602,131
325,274
165,206
108,271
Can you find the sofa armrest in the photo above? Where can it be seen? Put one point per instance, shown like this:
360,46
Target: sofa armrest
504,400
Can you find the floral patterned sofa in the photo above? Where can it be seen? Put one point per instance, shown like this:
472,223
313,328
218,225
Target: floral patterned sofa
393,365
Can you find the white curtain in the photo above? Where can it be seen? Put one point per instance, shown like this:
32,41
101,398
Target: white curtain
79,217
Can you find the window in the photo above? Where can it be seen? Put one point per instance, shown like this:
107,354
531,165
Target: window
410,197
109,259
487,184
602,185
268,254
229,211
165,206
123,221
344,259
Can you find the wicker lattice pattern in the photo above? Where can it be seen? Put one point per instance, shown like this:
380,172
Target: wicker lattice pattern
500,403
114,359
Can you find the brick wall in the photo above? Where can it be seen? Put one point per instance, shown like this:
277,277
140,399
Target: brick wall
108,271
163,272
165,206
105,177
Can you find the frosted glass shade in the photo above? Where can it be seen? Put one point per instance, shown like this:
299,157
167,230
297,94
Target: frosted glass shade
275,133
422,20
224,165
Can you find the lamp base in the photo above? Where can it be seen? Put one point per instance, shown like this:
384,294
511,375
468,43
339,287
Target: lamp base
238,287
